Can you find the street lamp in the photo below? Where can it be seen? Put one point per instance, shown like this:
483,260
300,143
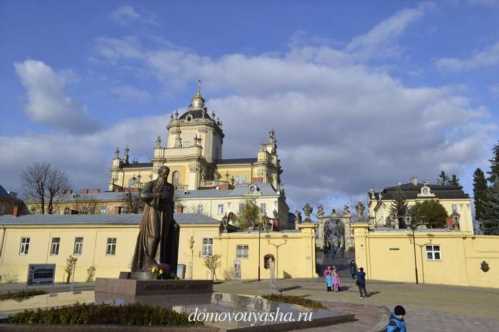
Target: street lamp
259,240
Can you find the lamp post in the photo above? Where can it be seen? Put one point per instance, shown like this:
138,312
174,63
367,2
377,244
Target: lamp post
191,246
259,241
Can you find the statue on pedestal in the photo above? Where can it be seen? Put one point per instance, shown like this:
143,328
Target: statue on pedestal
359,209
320,211
157,242
307,209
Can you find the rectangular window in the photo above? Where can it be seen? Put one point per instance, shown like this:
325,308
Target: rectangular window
78,246
220,209
111,246
242,251
263,208
200,209
103,210
24,247
433,252
207,247
54,246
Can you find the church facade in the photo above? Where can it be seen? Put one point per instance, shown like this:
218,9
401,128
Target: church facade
193,152
205,182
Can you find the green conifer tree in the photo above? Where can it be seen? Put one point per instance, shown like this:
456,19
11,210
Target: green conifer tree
479,193
399,208
490,222
443,179
454,181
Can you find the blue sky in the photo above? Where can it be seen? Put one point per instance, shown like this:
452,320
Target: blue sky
362,95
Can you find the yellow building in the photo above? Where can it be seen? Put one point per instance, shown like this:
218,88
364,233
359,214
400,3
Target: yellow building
193,152
455,201
432,256
214,202
32,247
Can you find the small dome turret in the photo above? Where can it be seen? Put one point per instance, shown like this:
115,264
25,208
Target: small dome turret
198,100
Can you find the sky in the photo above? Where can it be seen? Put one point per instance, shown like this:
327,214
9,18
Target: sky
362,94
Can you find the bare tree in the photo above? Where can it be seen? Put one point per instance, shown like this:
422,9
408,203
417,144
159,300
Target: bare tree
41,181
34,180
57,184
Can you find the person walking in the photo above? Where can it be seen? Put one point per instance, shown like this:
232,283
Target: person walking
336,280
361,282
353,269
328,278
396,322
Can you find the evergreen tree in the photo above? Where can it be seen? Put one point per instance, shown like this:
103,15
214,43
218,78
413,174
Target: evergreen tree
443,179
429,212
454,181
399,208
249,215
494,166
479,193
490,215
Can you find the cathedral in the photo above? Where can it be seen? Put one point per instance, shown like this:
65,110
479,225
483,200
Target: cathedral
193,152
205,182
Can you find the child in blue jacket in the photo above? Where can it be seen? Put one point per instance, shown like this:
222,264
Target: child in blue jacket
396,323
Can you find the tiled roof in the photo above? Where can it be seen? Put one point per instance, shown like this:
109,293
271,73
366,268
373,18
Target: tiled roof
411,191
93,219
262,189
237,161
102,196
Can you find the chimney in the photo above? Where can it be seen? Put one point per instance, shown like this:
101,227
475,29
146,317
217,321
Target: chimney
414,180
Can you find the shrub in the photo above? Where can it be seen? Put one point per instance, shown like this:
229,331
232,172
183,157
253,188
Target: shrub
103,314
300,300
70,266
21,295
212,263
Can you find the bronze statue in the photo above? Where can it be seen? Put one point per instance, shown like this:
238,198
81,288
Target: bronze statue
158,235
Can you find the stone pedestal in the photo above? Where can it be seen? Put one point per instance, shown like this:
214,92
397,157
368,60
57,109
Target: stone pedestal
134,287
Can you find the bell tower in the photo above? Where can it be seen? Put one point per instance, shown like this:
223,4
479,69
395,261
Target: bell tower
197,127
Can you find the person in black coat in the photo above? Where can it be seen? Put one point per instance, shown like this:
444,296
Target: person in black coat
361,282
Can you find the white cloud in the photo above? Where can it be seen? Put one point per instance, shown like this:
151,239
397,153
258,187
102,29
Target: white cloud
342,127
131,93
85,158
380,39
127,14
488,57
47,102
